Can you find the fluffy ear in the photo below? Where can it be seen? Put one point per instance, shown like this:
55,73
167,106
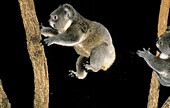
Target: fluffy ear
68,12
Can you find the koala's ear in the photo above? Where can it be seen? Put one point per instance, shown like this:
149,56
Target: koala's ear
67,12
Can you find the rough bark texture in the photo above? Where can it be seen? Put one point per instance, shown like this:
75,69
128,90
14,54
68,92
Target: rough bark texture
167,103
36,53
162,25
4,102
153,92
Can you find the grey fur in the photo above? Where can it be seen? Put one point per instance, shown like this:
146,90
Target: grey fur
160,64
90,39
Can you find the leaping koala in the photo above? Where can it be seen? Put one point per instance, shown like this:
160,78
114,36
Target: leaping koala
90,39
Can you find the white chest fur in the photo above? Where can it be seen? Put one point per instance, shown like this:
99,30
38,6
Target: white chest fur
66,26
163,56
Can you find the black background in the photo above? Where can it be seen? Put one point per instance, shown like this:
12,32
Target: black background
132,25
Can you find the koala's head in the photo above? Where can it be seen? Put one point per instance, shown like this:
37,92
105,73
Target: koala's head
62,17
163,43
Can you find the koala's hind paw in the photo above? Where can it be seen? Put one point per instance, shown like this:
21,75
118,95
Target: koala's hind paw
79,75
72,73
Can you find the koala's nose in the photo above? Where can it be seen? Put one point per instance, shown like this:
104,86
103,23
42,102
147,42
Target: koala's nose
51,23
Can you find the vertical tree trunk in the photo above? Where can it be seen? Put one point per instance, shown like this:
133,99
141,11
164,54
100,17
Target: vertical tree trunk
4,103
36,53
162,25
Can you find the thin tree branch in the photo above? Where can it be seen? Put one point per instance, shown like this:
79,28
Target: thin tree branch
36,53
163,16
162,25
153,92
4,102
167,103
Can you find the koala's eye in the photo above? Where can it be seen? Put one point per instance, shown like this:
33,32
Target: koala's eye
55,17
169,45
160,43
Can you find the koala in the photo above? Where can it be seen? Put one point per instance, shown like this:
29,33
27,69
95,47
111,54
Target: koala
90,39
160,64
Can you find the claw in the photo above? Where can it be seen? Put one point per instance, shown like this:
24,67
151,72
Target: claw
41,26
47,41
72,73
138,51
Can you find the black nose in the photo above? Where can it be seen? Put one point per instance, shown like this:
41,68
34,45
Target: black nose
54,25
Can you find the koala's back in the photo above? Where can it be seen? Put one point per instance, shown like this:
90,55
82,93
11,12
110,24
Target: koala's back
95,35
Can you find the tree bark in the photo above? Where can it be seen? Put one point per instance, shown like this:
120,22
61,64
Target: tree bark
167,103
4,102
36,53
162,25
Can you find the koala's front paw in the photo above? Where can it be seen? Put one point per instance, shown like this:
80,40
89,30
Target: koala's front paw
49,41
143,53
46,31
